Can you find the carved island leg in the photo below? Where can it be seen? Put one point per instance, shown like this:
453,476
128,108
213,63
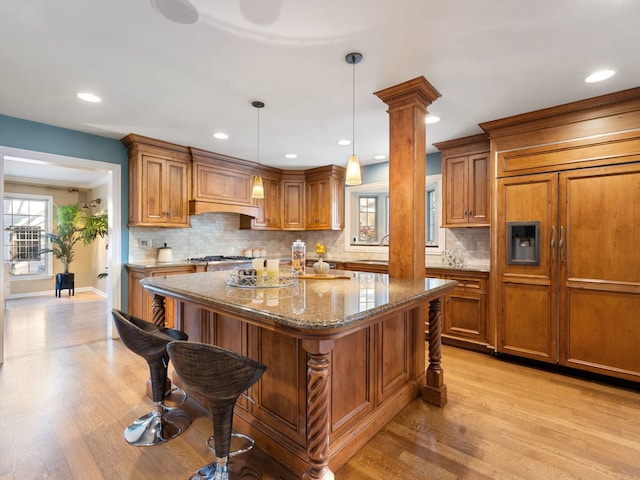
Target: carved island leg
158,310
435,391
318,408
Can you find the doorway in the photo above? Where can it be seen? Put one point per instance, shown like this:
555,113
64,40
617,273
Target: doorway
49,166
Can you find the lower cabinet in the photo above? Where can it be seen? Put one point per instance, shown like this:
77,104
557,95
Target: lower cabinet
464,311
140,302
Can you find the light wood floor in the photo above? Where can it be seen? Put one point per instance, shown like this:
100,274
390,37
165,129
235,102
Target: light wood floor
67,392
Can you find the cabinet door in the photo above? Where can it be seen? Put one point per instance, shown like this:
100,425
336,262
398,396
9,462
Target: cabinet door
478,195
600,270
466,190
465,309
154,172
456,190
164,191
527,310
317,198
269,215
176,193
293,205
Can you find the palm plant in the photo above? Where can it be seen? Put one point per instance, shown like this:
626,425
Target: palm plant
73,226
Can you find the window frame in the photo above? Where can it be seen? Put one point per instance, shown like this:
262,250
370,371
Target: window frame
352,194
48,263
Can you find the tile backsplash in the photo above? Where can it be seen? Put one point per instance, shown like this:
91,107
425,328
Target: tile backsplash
220,234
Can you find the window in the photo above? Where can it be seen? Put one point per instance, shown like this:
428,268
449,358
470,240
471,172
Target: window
372,217
367,217
26,220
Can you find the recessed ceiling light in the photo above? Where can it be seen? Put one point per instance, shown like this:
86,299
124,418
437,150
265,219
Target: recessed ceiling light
599,76
291,155
220,135
379,157
431,119
344,142
89,97
178,11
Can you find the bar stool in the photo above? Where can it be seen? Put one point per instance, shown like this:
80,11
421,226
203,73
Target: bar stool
221,377
150,342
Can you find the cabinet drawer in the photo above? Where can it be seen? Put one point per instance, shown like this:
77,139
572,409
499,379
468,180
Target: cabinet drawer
468,283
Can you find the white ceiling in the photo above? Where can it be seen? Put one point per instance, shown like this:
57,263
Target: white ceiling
489,59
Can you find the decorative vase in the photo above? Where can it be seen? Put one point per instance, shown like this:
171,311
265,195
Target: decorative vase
321,267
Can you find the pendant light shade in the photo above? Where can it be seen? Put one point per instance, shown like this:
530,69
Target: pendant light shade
257,190
353,175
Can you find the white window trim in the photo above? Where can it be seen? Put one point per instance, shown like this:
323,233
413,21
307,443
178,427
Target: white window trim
48,260
351,213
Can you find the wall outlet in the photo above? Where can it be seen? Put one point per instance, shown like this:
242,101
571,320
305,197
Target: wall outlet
144,243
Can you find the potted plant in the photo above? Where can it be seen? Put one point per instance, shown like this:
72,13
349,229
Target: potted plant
72,225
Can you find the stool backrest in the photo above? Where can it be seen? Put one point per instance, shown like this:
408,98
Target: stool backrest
142,337
214,372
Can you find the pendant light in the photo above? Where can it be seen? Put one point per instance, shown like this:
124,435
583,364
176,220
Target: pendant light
353,175
257,191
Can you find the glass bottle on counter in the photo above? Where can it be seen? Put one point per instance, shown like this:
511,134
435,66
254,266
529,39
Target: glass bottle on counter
298,256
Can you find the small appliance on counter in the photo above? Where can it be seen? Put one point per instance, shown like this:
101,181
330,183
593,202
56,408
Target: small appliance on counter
165,254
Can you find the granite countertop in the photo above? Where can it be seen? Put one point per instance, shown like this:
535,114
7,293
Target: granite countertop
313,304
156,264
440,266
436,265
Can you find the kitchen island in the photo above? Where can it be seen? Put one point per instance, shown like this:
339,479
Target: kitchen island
343,355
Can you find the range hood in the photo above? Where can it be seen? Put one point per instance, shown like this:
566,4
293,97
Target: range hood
197,207
221,184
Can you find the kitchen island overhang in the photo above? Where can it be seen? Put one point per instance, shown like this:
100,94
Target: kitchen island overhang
343,356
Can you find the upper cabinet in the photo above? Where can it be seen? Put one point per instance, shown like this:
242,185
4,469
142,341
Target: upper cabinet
221,184
168,182
465,172
324,198
269,215
293,204
159,182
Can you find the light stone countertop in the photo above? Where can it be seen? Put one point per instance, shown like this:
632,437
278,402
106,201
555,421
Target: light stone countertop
312,305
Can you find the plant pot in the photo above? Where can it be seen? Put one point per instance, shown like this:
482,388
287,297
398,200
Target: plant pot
65,281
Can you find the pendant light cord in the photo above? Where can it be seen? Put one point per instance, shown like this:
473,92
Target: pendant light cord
258,140
353,120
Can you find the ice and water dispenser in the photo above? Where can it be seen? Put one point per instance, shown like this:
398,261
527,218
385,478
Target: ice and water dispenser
523,243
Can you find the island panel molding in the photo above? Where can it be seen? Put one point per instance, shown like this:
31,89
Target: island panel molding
345,363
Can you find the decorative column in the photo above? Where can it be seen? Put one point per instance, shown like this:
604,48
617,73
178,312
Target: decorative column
318,409
158,310
435,391
407,103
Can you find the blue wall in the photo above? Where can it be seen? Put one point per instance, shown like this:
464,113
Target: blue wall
27,135
379,172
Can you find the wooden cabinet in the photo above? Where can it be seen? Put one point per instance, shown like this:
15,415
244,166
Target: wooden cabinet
465,171
293,203
465,309
324,198
139,300
269,215
159,182
364,266
221,184
579,306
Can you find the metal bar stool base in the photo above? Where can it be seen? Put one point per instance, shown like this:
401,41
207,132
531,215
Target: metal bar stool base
240,443
155,428
175,398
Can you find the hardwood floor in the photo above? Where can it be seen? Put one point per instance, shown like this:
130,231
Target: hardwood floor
67,392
